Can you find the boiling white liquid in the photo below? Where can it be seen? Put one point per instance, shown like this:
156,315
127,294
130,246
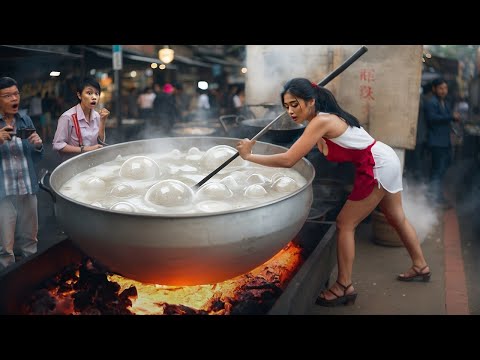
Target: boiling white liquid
162,183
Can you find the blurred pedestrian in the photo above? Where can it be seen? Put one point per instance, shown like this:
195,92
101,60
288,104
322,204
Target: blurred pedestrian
439,117
165,109
35,111
81,128
182,101
145,103
18,179
48,107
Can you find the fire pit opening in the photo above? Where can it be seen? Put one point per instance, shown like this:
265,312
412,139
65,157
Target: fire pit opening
68,282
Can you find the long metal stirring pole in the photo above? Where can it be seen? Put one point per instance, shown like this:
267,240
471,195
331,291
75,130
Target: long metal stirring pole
325,81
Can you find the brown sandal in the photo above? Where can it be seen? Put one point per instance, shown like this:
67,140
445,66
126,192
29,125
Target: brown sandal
345,299
418,276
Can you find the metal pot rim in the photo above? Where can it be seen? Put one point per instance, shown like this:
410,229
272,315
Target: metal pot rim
91,155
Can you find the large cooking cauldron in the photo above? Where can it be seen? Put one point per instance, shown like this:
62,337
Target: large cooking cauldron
186,249
280,132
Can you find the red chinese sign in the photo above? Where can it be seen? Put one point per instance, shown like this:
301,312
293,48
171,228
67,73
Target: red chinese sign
367,81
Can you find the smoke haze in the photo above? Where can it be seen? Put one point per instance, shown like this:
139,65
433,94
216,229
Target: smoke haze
419,209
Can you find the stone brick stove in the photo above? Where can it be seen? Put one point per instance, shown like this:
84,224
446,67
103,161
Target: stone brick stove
316,240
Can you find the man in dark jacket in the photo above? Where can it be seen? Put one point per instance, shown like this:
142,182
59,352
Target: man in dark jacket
439,116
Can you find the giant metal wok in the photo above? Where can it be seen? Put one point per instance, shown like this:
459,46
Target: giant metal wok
179,249
284,131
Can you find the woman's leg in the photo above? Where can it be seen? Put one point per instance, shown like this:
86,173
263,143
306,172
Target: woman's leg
392,208
352,213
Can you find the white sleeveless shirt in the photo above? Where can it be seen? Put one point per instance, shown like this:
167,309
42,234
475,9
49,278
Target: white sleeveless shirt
387,170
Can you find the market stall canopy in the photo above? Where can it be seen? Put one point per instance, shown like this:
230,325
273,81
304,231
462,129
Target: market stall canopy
127,57
225,61
9,52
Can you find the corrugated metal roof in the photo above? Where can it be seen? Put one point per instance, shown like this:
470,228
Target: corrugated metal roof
146,59
45,49
190,61
226,62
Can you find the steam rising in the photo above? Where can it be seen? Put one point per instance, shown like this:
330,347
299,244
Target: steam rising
419,209
270,66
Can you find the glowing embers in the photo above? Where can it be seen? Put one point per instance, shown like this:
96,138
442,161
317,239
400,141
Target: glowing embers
140,168
87,289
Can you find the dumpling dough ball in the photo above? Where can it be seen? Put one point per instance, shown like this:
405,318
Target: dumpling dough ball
123,190
124,207
169,193
107,173
95,184
175,154
255,191
217,155
140,168
240,177
276,176
285,184
214,191
257,179
94,189
194,154
229,181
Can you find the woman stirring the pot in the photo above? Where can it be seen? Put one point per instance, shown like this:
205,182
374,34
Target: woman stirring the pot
81,128
378,178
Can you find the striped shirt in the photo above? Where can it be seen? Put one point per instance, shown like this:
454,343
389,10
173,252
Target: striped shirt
17,157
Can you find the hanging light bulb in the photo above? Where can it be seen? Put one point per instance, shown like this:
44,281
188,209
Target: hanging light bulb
166,55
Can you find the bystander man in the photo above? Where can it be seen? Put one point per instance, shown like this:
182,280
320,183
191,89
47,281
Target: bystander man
19,150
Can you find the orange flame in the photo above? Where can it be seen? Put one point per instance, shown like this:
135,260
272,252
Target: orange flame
268,279
152,298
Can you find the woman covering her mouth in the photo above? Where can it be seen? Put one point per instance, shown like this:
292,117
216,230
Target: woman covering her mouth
81,128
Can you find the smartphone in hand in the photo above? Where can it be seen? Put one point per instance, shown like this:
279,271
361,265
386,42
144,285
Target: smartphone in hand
24,133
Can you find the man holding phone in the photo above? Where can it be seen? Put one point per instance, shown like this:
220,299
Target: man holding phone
20,148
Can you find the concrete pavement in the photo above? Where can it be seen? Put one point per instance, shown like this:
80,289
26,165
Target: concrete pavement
376,267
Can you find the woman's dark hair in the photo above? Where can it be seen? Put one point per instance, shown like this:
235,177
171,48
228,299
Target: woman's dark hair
6,82
324,100
88,81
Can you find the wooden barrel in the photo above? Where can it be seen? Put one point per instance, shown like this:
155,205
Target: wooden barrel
383,232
